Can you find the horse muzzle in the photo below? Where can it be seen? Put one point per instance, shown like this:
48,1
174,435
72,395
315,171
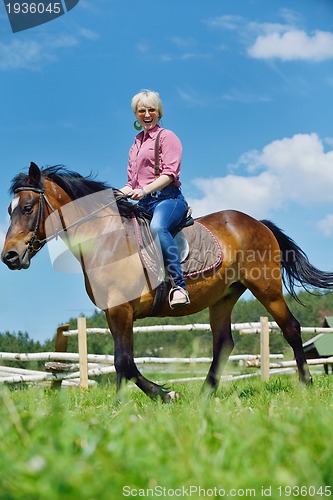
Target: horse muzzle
16,260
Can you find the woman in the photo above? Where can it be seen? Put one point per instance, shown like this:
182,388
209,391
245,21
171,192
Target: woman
157,187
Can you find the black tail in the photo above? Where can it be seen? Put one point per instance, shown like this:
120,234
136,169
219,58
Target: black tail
296,267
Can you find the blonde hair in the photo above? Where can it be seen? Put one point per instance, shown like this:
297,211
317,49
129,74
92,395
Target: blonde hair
149,99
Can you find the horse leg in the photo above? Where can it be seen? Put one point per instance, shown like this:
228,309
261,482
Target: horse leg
291,330
272,299
120,321
223,344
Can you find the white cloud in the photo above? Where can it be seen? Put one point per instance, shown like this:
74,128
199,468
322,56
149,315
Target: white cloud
252,195
290,170
285,41
245,29
88,34
326,225
143,47
21,54
293,45
227,22
191,97
181,49
329,141
63,41
292,17
239,96
32,54
183,42
302,165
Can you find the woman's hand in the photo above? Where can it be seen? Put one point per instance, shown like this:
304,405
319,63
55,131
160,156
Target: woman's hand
138,194
127,191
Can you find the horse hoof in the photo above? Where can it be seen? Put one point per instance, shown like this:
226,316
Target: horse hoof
306,382
171,397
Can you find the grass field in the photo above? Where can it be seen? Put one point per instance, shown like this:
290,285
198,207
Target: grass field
253,439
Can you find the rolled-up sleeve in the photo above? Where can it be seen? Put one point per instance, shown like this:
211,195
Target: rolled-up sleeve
170,154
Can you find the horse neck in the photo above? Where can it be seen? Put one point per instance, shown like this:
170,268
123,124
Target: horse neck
55,195
88,218
56,200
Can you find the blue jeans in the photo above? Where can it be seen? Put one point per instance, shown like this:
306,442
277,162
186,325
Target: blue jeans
167,208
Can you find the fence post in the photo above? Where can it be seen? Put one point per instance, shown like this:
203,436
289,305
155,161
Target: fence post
264,348
82,342
61,344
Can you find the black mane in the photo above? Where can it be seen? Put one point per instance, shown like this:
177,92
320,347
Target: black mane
73,183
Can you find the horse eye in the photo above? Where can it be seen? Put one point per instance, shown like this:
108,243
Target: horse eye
27,209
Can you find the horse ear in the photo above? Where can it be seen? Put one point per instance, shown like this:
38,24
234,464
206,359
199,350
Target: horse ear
34,174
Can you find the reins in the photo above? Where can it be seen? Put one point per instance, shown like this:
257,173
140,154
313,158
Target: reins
35,244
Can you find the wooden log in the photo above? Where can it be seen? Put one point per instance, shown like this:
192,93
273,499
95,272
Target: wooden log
106,358
204,327
311,362
49,356
256,363
57,367
274,326
40,376
17,371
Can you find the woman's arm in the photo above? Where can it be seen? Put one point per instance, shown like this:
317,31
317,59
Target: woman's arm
161,182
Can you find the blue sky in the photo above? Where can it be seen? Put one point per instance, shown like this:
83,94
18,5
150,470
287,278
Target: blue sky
246,85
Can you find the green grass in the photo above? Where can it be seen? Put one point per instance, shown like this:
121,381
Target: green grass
75,444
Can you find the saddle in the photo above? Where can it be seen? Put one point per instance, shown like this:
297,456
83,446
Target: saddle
198,248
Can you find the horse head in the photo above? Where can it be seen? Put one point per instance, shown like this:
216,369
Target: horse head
42,192
27,211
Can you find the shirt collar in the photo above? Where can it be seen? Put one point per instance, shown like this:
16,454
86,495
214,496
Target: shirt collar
151,133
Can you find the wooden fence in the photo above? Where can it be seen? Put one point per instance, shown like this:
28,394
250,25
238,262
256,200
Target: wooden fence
90,365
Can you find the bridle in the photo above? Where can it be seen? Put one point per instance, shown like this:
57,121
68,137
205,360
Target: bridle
35,244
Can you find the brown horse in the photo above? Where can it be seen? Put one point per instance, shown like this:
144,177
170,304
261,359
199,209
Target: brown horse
256,256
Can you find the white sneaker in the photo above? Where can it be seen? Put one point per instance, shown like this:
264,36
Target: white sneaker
178,297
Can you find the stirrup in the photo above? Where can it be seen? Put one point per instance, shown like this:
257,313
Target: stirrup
182,301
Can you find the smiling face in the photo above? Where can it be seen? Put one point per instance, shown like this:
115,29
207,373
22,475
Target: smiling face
147,116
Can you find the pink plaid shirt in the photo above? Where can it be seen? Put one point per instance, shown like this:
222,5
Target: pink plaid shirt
141,158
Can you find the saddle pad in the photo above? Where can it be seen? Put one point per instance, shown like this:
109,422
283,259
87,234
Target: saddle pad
205,250
148,248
